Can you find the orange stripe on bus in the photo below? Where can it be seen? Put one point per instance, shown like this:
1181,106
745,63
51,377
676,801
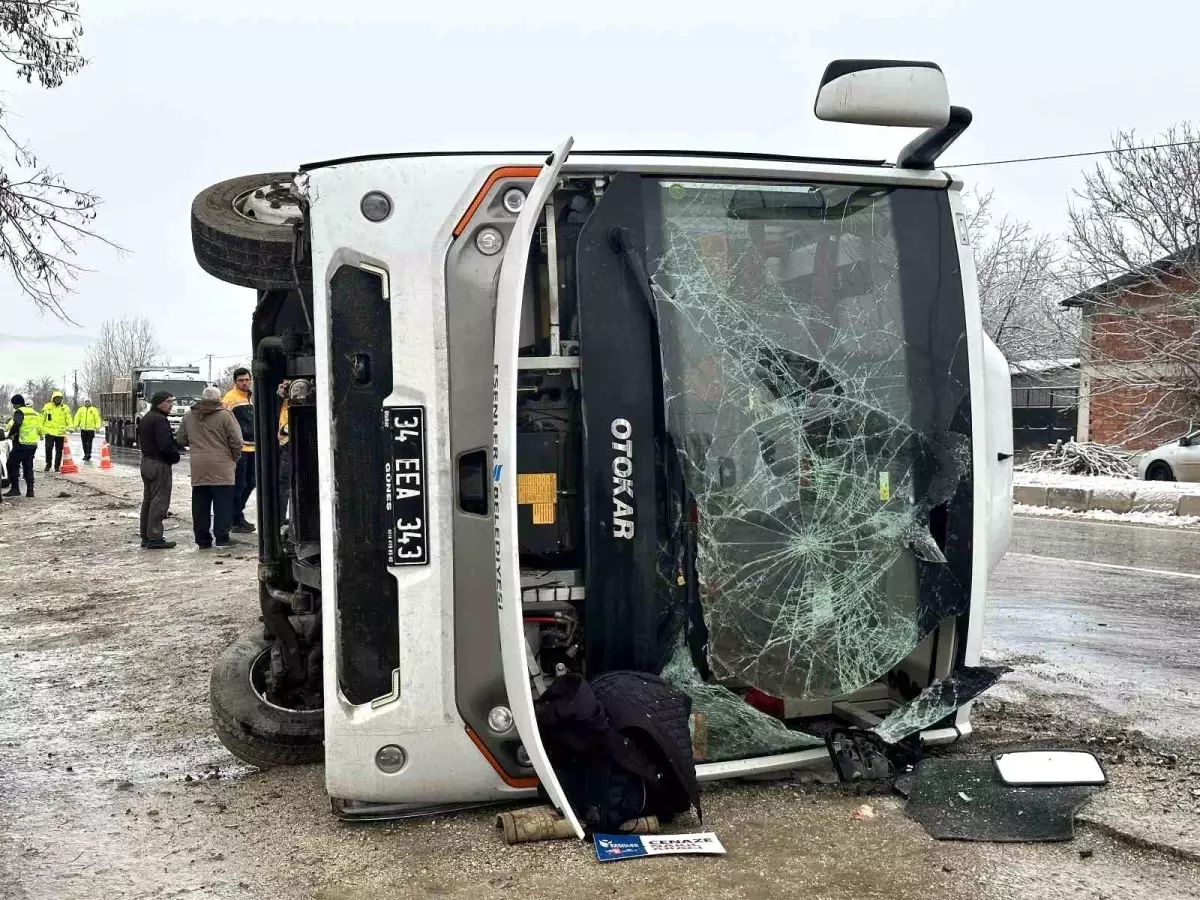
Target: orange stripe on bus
506,172
504,776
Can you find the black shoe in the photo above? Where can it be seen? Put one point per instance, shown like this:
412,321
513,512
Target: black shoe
159,544
242,528
29,493
205,546
47,469
229,542
13,492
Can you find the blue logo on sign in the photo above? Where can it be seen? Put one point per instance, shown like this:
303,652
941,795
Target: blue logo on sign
618,846
496,472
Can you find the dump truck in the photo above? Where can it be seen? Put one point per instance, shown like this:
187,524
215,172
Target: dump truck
123,406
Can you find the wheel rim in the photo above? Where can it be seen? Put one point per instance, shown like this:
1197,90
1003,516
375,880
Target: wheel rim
270,204
258,681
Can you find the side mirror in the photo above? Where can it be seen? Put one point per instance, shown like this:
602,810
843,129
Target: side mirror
1185,441
141,390
883,92
1049,767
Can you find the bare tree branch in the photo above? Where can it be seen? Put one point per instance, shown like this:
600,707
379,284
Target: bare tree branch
1134,244
1019,286
42,218
37,391
122,344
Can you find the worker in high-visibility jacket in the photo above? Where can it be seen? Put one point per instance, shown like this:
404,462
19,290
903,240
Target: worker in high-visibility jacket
87,422
282,434
24,431
56,422
238,399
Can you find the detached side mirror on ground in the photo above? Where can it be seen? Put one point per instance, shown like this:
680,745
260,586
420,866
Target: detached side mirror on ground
1049,767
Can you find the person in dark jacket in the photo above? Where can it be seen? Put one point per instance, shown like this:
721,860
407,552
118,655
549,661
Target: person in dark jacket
24,434
159,453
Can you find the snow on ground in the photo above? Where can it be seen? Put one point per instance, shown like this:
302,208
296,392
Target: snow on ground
1156,519
1103,482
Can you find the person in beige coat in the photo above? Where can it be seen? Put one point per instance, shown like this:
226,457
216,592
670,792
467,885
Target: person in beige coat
214,438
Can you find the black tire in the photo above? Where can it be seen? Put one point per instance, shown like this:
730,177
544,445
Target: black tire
239,250
252,729
1159,471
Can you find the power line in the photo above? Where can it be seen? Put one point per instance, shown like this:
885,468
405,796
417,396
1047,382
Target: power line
1025,159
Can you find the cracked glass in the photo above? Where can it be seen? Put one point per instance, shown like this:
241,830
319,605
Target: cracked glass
937,701
815,382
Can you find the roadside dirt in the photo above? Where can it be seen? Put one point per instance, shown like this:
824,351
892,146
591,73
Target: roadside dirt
113,785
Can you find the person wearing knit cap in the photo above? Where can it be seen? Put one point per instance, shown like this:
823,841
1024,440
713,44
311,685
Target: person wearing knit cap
159,453
25,432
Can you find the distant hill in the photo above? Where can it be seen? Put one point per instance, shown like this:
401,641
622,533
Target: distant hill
23,357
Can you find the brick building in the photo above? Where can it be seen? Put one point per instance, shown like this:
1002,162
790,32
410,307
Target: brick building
1139,380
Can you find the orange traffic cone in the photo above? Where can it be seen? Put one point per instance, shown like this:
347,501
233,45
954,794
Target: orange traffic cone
68,464
105,456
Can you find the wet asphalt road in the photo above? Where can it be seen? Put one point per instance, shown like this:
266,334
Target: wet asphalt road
1106,612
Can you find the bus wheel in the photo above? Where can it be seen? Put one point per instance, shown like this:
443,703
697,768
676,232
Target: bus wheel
251,727
243,234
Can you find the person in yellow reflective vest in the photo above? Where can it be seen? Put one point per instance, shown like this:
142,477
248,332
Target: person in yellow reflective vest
24,432
285,450
56,422
87,422
239,401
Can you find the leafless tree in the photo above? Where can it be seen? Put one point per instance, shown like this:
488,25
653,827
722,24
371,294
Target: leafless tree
1019,289
37,391
1134,267
42,218
7,389
122,344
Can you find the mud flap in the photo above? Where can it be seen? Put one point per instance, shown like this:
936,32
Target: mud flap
509,297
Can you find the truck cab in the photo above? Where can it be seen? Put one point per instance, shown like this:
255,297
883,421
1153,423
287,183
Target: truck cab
731,419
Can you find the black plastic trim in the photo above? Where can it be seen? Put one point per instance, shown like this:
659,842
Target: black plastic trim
923,150
697,154
840,67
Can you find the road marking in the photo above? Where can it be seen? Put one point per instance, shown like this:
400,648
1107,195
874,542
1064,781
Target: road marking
1100,565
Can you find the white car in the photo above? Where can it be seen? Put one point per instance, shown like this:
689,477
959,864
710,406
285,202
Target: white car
1178,460
4,450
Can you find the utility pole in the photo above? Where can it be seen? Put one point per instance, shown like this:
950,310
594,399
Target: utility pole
75,388
210,356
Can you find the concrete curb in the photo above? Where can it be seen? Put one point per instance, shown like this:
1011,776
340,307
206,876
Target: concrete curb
1109,499
1136,840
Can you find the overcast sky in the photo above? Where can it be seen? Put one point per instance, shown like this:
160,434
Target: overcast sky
180,95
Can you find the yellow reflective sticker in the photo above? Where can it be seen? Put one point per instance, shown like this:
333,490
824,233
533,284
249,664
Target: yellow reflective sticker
543,514
537,488
676,191
885,486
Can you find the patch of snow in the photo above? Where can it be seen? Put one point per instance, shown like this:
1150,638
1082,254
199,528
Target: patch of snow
1104,483
1036,366
1156,519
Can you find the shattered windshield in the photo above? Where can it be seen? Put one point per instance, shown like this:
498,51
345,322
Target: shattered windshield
815,377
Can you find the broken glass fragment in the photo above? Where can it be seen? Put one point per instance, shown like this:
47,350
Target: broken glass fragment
730,728
937,701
